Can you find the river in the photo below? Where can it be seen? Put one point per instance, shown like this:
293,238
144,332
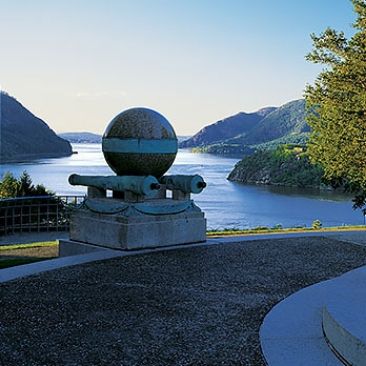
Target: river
226,204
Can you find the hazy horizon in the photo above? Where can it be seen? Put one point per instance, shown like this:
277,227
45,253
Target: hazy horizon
76,64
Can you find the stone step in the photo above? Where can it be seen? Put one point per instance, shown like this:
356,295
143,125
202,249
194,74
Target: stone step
344,325
292,332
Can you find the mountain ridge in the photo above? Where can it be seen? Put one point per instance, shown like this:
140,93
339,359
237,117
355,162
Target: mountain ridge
291,116
226,128
24,136
285,123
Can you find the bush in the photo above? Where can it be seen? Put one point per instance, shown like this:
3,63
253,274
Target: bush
317,224
260,228
277,227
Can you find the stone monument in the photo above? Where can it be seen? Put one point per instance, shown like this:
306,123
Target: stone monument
139,145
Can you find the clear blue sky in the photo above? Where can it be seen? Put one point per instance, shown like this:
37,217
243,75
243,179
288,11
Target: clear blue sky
77,63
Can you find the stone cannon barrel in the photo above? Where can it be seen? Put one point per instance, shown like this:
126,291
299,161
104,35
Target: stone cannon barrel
140,185
184,183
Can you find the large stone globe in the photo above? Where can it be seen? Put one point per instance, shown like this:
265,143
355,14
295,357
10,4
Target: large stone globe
139,141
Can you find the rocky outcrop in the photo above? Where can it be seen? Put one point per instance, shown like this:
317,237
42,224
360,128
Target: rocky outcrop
285,166
23,136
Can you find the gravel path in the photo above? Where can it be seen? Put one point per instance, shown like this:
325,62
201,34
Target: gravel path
197,306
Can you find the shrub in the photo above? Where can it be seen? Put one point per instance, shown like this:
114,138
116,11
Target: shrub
317,224
277,227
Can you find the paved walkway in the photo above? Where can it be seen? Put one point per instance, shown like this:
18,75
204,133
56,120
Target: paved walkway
198,305
357,237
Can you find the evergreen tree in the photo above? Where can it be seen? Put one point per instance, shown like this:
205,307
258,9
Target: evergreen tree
23,187
336,105
8,186
26,187
41,190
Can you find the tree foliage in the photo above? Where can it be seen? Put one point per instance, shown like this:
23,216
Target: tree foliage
8,186
336,106
22,187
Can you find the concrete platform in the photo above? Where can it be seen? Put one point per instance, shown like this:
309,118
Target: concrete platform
292,333
344,318
324,324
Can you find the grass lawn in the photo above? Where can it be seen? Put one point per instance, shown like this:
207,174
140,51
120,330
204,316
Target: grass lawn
29,245
275,230
18,254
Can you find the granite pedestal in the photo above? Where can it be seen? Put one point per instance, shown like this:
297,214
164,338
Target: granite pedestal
122,225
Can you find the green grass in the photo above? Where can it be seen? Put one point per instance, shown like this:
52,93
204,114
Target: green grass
17,261
29,245
6,263
266,230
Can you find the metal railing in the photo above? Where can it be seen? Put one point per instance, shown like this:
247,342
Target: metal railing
36,214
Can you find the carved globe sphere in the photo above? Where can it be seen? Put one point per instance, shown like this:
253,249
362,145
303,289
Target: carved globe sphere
139,141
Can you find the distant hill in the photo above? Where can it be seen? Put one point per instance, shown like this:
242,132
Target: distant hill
93,138
183,138
287,120
268,128
81,137
23,136
227,128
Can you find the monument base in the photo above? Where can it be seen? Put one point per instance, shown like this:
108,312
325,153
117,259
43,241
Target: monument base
118,224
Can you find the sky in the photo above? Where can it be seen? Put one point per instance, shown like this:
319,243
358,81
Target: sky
78,63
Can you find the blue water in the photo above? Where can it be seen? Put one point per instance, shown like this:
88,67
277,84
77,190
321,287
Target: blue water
226,204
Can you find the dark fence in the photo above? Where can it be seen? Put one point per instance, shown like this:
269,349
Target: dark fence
36,214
